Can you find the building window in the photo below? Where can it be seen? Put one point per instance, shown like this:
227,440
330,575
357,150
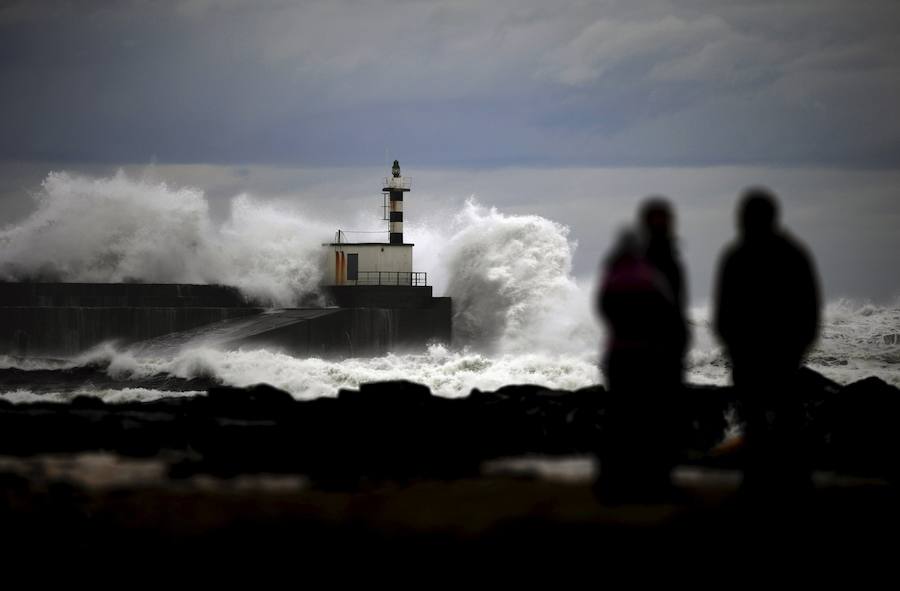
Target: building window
352,267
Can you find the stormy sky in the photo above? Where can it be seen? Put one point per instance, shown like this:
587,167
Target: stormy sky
573,109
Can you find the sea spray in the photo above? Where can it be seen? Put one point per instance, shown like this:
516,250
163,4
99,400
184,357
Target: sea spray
510,277
857,340
450,373
116,229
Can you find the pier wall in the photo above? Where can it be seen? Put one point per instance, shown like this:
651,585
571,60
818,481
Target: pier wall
121,295
70,330
64,319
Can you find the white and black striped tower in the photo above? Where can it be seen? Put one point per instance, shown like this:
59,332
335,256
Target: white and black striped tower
394,188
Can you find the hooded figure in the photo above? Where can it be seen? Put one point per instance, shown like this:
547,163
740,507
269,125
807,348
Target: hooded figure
645,328
641,301
657,223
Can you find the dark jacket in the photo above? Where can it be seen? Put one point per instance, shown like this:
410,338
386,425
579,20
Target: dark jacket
767,300
647,332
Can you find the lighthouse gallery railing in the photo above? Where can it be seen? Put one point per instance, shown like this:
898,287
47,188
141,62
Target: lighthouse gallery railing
403,182
415,279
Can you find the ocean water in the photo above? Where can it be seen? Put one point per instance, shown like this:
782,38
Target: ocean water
520,314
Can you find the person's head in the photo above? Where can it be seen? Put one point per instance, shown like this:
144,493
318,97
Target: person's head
757,213
656,217
626,246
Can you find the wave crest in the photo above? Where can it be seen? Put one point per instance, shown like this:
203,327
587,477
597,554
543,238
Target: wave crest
120,229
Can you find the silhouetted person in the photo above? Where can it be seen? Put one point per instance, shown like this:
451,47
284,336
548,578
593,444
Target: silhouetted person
641,301
657,224
767,315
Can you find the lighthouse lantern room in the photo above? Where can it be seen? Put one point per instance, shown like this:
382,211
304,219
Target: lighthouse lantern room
377,263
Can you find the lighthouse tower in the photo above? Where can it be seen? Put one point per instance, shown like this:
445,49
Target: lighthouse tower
394,188
377,264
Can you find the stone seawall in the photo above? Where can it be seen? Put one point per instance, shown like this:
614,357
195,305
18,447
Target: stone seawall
120,295
64,331
64,319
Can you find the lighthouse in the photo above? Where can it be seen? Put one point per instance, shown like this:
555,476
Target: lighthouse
394,188
377,264
376,279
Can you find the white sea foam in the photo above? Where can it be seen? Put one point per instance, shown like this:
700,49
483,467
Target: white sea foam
123,229
448,373
859,339
111,395
27,363
510,277
856,340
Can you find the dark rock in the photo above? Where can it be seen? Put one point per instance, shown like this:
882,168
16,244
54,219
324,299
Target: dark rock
861,427
82,401
260,398
395,393
399,430
813,386
514,392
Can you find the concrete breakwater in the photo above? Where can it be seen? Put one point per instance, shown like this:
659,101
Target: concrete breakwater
68,318
64,319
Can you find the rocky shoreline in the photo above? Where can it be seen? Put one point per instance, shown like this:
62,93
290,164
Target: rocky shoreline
400,430
392,464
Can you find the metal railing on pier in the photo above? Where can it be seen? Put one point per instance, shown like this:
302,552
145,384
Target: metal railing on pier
414,279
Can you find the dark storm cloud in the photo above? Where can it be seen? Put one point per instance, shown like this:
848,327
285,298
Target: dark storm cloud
454,83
